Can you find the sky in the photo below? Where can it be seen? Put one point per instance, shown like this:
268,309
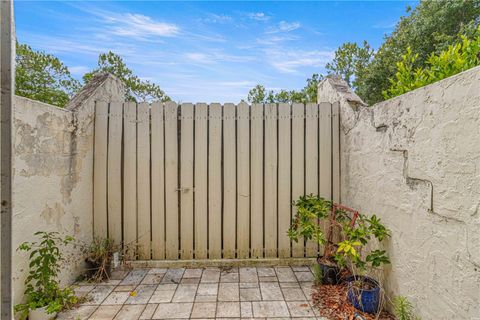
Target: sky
206,51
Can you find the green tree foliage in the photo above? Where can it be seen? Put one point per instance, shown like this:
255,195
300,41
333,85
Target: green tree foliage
455,58
430,28
259,94
136,89
43,77
350,62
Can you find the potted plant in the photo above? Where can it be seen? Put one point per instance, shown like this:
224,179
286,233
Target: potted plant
98,256
311,210
364,292
44,297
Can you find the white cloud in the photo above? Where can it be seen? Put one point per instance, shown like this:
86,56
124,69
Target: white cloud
217,18
259,16
289,61
214,56
79,70
284,26
138,25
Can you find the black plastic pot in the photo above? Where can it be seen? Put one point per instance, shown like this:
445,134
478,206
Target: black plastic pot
330,272
364,300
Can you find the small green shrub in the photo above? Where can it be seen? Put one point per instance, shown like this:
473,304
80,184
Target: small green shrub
456,58
42,288
403,309
98,255
317,274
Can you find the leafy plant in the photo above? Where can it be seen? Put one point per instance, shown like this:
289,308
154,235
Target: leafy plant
454,59
41,285
98,255
403,309
317,274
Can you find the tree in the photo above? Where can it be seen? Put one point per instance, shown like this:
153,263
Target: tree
351,62
259,94
430,28
43,77
135,88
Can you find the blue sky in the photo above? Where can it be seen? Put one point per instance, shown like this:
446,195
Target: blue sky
206,51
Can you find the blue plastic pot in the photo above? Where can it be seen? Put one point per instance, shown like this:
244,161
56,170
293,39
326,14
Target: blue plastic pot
364,300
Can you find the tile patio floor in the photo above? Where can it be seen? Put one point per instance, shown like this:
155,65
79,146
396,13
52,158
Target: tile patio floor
208,293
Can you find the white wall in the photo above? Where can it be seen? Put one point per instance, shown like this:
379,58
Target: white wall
53,173
414,160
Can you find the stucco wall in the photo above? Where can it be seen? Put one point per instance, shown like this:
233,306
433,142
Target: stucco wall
53,172
415,161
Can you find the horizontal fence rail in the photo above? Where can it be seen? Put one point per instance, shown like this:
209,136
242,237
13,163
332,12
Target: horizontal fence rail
211,181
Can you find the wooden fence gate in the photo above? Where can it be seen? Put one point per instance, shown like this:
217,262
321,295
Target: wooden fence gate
211,181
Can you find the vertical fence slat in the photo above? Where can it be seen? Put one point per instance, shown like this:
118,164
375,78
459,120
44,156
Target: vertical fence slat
229,183
270,180
130,178
201,171
256,181
171,180
114,173
311,162
325,153
158,183
186,181
336,152
243,181
284,196
215,182
100,170
297,166
143,180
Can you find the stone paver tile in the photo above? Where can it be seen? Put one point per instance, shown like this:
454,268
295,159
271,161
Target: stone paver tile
307,288
173,275
83,290
206,298
130,312
300,309
228,309
167,287
249,285
152,279
143,294
173,311
250,294
98,294
80,313
193,273
300,268
157,271
228,292
204,310
190,280
206,289
105,313
289,285
129,288
265,272
148,311
316,312
162,296
271,291
185,293
134,277
263,309
268,279
119,274
304,276
285,274
210,275
293,294
116,297
229,275
111,282
246,310
248,275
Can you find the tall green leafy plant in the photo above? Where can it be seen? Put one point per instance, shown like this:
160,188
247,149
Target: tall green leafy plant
42,288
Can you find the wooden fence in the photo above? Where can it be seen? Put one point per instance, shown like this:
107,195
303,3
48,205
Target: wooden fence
211,181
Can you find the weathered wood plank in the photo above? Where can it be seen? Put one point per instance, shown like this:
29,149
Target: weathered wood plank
336,152
229,181
270,192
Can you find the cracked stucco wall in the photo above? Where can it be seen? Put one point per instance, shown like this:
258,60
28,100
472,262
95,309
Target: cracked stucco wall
414,160
53,172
